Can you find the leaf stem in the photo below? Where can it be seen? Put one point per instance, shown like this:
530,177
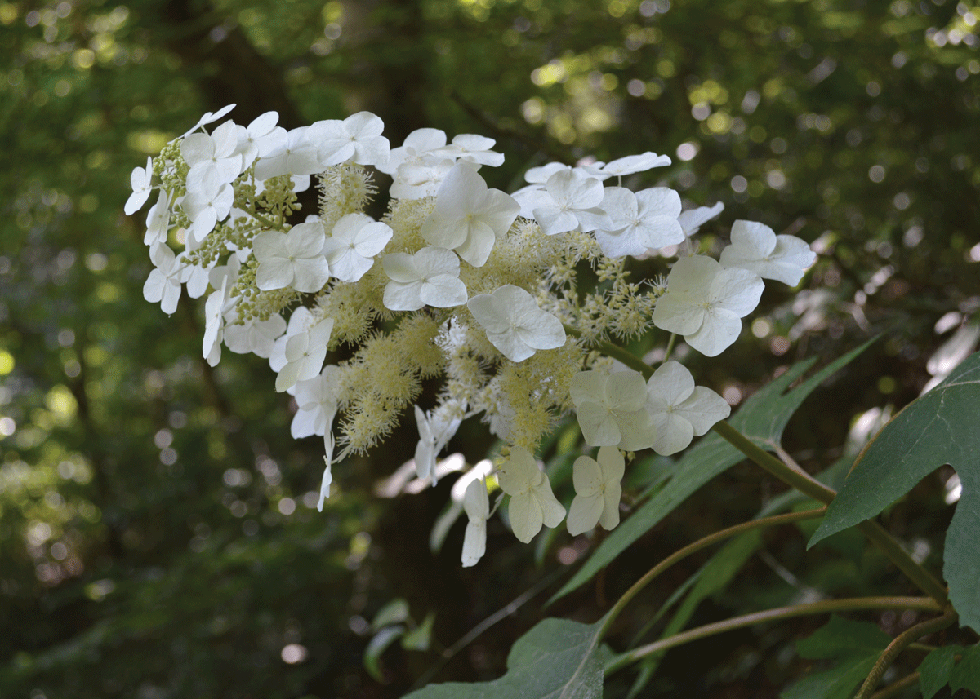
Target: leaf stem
822,607
699,545
901,641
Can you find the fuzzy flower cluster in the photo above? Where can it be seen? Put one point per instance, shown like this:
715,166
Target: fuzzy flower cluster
457,280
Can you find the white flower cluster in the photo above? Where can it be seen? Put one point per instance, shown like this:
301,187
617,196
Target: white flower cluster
457,280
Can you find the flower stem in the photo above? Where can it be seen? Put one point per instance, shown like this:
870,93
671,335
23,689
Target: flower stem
699,545
901,641
822,607
806,484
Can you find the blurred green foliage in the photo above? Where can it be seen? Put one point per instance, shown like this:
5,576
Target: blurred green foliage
157,534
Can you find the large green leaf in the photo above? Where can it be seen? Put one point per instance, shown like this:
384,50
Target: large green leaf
935,670
938,428
762,419
557,659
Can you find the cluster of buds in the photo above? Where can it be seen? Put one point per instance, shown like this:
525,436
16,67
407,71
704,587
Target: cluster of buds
459,281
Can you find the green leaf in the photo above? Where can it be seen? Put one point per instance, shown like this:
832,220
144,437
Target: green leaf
937,428
557,659
762,419
934,671
857,644
372,654
966,674
395,612
837,683
842,637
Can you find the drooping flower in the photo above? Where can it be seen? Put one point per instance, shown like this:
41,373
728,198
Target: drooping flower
163,284
305,352
757,248
514,324
598,490
611,409
292,259
351,248
140,179
429,277
706,302
469,216
316,404
436,428
681,410
531,501
476,502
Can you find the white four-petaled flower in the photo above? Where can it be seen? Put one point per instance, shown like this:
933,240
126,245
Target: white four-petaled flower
429,277
351,248
292,259
611,409
706,302
681,410
531,501
639,222
469,216
598,489
757,248
514,323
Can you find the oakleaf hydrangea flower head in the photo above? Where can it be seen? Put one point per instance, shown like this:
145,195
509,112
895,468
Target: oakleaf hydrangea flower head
598,490
531,501
681,410
429,277
469,216
757,248
140,179
611,409
291,290
351,248
476,502
706,302
514,323
292,259
357,138
639,222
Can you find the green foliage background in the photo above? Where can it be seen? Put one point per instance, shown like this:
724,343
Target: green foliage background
157,534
